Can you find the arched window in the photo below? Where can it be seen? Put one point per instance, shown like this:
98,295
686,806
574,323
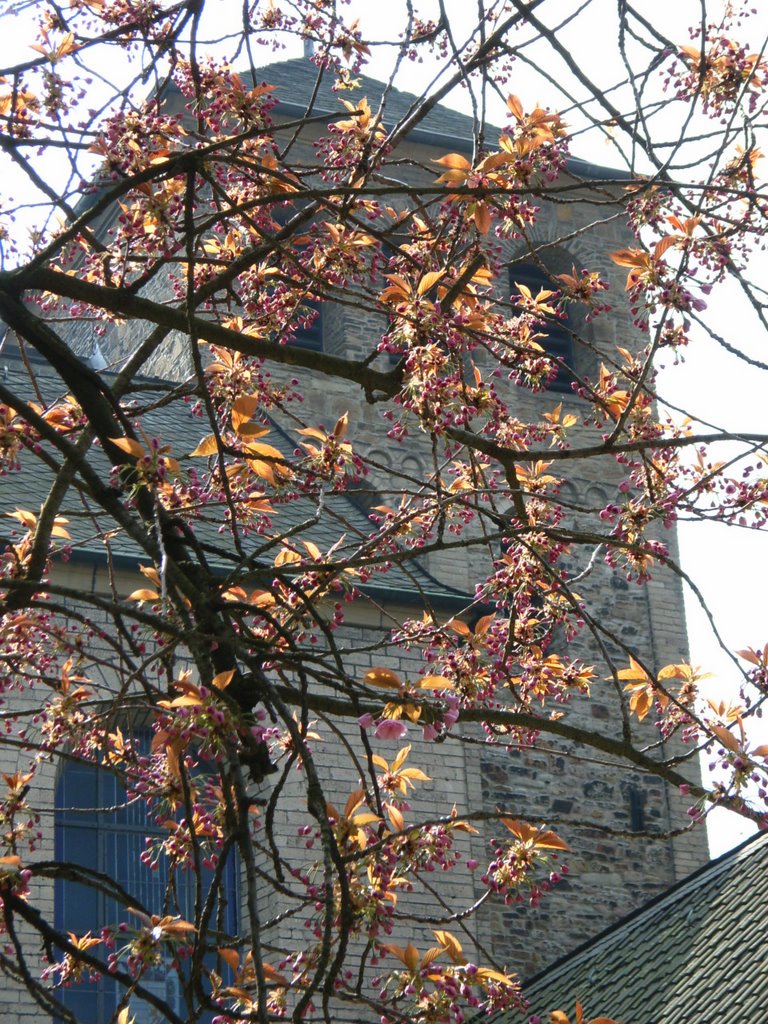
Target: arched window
310,334
558,342
307,322
96,828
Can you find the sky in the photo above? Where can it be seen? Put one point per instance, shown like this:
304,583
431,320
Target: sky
728,565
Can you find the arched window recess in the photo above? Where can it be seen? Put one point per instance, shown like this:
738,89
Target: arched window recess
112,835
305,323
558,331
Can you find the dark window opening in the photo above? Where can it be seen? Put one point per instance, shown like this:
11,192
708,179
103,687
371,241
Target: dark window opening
636,808
307,319
96,828
558,342
310,332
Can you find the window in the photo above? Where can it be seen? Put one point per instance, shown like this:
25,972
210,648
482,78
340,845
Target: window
308,317
111,841
310,333
559,340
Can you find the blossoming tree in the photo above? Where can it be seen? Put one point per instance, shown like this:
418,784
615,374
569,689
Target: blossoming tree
159,193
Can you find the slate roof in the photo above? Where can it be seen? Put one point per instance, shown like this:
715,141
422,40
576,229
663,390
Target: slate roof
176,425
694,955
298,81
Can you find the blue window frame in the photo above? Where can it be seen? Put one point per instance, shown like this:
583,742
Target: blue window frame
96,828
559,340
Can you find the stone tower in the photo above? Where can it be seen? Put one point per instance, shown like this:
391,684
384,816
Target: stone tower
608,814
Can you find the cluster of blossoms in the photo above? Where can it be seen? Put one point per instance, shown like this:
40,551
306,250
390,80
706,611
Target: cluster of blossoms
444,992
385,858
515,861
157,940
723,73
12,432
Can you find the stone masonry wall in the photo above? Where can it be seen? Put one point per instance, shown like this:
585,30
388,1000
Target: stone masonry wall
614,865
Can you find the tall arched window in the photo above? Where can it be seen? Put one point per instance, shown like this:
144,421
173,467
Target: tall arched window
559,340
96,828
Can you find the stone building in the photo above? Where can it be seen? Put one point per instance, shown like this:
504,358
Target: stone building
616,864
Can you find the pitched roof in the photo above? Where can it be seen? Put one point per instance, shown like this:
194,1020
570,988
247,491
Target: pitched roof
694,955
300,82
303,518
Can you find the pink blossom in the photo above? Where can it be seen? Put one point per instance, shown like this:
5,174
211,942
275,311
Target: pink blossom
390,729
365,721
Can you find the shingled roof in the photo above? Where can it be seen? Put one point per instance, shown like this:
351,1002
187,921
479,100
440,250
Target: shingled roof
302,90
175,424
297,81
694,955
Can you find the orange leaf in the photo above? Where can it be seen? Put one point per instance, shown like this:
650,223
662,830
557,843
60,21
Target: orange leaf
748,655
243,409
411,957
365,818
515,107
482,218
222,680
129,446
484,624
27,519
629,257
451,945
663,244
395,816
727,738
408,956
384,677
455,161
535,836
354,800
634,672
435,683
207,446
230,957
431,955
273,976
502,979
266,450
460,627
429,280
400,758
340,428
319,435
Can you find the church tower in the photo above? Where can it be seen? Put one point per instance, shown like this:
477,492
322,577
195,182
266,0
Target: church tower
613,814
